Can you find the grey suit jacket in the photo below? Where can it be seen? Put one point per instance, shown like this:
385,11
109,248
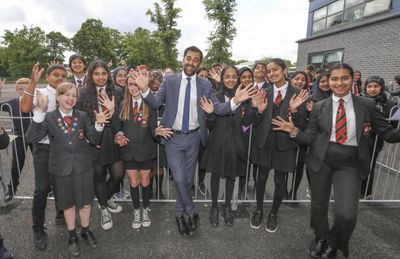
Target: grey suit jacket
169,94
319,128
69,153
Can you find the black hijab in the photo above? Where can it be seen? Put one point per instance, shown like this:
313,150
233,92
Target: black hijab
319,94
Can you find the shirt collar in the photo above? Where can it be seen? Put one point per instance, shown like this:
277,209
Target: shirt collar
345,98
282,88
51,89
64,114
138,100
184,76
82,78
100,87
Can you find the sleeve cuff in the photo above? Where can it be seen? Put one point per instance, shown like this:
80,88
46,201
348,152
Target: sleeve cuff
233,105
38,116
145,94
99,127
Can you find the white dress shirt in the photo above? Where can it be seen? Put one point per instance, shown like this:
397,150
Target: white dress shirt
283,90
82,79
350,119
259,85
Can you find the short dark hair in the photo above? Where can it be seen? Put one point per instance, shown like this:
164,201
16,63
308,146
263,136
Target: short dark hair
75,56
279,62
259,62
54,67
339,66
201,69
194,49
310,67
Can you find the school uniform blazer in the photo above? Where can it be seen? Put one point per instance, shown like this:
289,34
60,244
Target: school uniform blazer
169,94
263,121
69,153
319,128
72,80
142,145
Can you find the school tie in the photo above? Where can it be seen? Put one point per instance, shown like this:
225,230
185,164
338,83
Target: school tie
186,108
135,111
341,123
355,89
79,83
102,108
278,98
68,122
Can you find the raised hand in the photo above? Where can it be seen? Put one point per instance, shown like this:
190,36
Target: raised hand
142,78
244,92
121,140
42,101
206,104
36,73
283,125
106,102
53,62
215,75
260,101
297,100
102,117
163,132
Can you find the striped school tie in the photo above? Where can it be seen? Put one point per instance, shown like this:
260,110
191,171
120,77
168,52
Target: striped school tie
341,123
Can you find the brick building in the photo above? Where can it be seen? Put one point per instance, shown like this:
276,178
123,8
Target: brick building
362,33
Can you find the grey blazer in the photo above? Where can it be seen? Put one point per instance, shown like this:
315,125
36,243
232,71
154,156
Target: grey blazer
69,152
169,94
319,128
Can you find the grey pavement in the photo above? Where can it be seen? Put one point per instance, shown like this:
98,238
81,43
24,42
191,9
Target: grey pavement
376,235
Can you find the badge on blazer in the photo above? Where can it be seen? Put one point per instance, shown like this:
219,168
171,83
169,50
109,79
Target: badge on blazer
144,123
367,128
242,112
81,134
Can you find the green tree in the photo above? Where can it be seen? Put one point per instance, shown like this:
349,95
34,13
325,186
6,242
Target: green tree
167,34
93,40
23,48
140,48
221,13
57,44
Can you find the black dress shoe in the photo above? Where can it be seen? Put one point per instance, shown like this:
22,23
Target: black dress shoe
329,252
73,247
60,219
40,239
214,216
10,194
228,217
192,224
316,247
89,237
182,226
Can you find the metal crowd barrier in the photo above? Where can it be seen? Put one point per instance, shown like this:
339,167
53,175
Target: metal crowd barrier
385,181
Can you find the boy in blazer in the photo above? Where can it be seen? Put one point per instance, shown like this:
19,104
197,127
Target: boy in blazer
71,134
338,137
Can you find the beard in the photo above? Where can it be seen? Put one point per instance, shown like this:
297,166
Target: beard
186,69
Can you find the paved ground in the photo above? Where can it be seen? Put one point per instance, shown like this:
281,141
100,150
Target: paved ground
376,236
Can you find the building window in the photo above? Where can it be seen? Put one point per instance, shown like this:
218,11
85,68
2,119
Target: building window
342,11
325,59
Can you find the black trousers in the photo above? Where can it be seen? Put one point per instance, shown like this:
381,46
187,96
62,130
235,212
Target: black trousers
41,154
339,169
19,150
279,192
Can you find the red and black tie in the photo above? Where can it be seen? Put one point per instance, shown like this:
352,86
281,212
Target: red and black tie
135,111
68,122
341,123
278,98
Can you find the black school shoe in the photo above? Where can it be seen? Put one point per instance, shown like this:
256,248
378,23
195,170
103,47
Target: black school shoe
89,237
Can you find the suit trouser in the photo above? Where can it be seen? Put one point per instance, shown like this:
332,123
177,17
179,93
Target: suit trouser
182,154
340,169
41,153
19,150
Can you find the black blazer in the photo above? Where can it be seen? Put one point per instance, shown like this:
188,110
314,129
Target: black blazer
318,132
72,80
69,153
12,107
142,145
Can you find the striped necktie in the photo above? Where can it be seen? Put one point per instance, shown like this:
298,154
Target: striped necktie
341,123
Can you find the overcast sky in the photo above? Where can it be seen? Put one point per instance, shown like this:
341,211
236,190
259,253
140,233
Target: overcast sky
264,27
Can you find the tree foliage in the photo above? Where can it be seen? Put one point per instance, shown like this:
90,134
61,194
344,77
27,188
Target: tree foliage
140,48
220,40
167,34
93,40
57,44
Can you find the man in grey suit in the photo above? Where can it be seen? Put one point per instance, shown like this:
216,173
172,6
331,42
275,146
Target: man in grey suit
182,95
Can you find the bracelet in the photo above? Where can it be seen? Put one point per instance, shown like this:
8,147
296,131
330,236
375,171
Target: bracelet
27,93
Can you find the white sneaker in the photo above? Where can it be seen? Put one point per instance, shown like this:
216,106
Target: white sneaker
136,219
106,219
146,221
113,207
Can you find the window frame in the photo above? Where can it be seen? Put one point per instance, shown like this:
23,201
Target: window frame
325,53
